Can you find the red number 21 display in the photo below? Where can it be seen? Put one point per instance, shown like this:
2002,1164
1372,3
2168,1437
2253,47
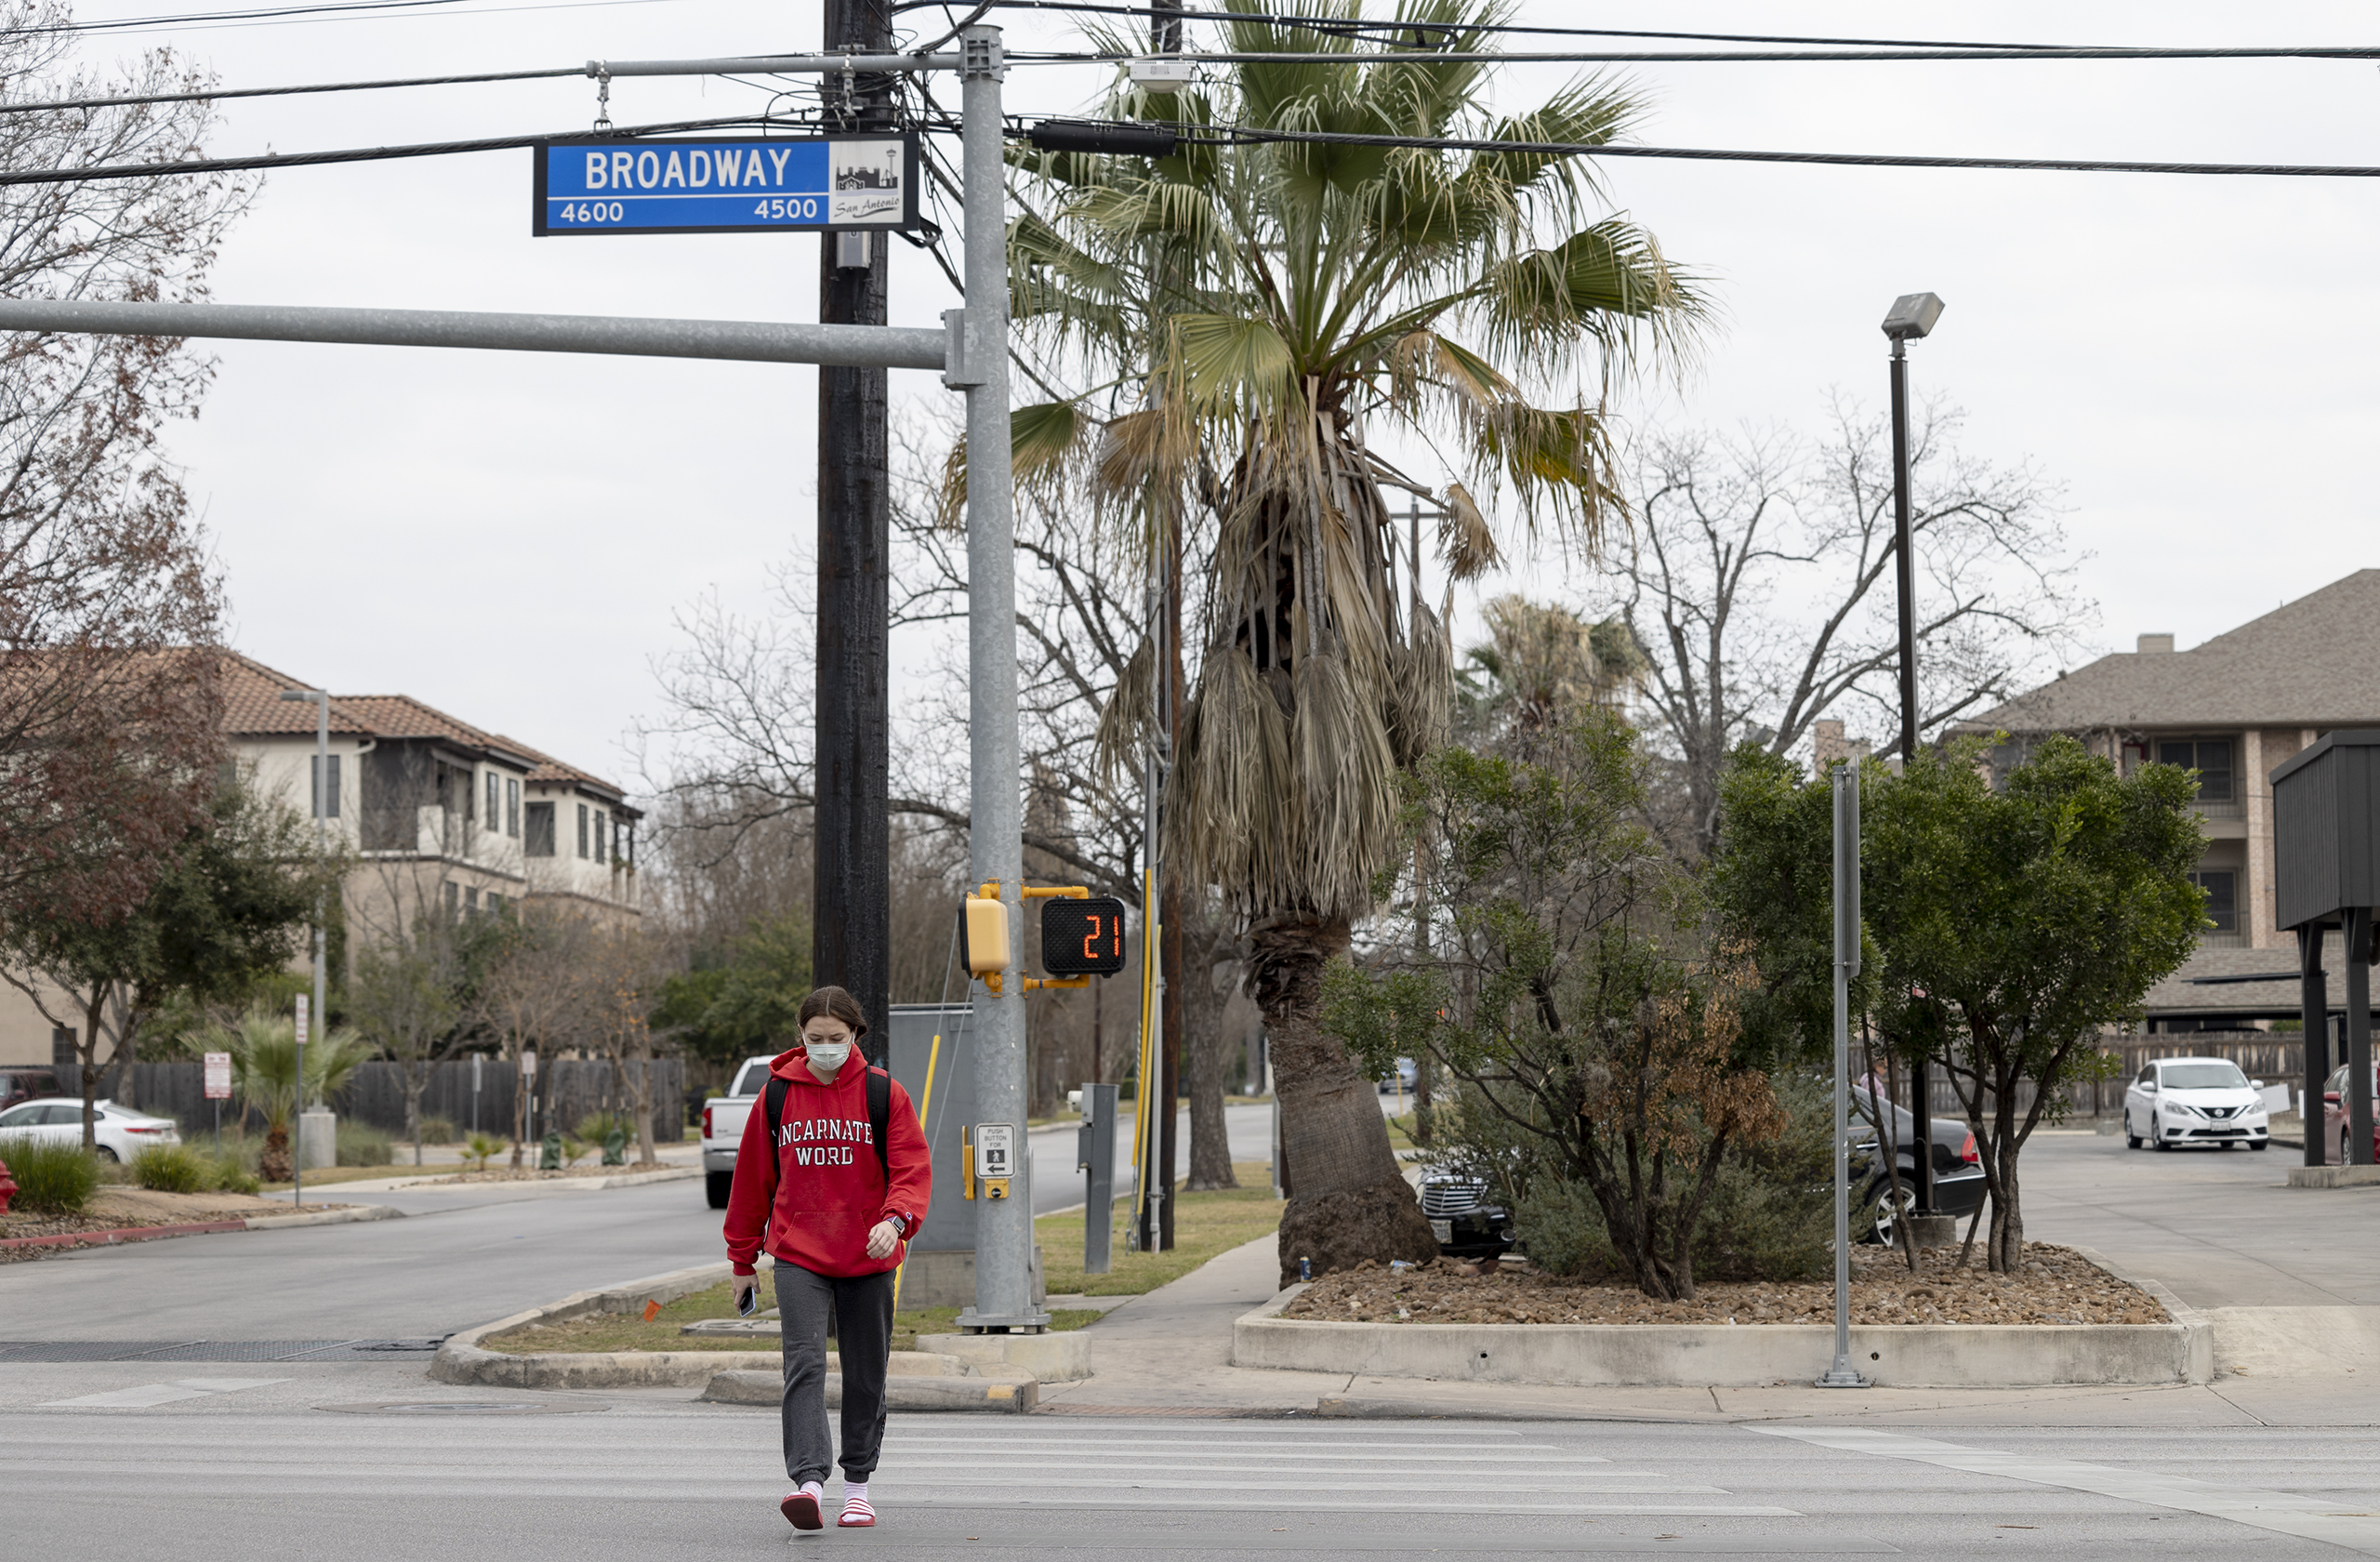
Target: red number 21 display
1082,938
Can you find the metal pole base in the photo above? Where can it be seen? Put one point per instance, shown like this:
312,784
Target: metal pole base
1841,1375
972,1322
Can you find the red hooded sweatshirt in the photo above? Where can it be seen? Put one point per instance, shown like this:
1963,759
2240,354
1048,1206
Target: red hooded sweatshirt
813,1201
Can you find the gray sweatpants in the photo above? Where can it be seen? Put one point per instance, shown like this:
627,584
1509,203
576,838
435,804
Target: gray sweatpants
862,1308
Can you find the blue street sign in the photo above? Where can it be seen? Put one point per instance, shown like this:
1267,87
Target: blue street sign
605,184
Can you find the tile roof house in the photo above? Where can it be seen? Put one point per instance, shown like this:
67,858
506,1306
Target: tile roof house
437,811
2234,709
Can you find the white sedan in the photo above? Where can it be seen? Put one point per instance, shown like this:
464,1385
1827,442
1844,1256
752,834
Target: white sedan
2195,1101
118,1131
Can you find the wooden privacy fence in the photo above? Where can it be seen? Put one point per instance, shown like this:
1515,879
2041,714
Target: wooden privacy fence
375,1093
2275,1059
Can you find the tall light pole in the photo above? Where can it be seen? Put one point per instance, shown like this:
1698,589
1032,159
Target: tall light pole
321,700
1913,315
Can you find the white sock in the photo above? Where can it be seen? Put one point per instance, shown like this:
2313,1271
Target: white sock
855,1491
815,1489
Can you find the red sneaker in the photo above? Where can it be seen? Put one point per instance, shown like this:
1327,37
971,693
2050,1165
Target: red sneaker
800,1508
857,1515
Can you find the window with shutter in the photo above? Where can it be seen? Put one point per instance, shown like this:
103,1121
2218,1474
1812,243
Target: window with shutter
540,841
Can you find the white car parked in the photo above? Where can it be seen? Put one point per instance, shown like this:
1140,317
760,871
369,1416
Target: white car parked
118,1131
2195,1101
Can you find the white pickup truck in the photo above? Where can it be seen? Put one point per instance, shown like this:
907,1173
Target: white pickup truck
723,1127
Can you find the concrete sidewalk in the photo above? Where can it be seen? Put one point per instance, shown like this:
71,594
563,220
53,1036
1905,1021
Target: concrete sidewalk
1170,1351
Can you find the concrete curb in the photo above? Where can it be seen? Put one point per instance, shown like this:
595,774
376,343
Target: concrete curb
1049,1357
1724,1356
463,1360
1014,1393
2334,1176
564,1185
323,1217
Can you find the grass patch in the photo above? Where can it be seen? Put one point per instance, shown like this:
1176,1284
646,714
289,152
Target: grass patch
629,1331
1204,1226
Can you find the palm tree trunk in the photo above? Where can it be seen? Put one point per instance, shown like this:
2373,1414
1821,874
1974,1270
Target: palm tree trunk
1348,1202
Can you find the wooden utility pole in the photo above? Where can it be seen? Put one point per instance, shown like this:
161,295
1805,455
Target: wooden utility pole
1166,38
851,900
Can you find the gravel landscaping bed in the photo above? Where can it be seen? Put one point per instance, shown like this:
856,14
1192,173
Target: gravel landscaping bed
526,1174
2057,1286
189,1209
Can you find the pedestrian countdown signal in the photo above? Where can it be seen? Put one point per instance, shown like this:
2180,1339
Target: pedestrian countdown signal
1082,938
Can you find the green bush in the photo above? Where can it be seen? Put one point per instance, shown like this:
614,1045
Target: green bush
479,1150
52,1178
171,1168
1562,1227
1771,1213
361,1145
595,1125
230,1176
437,1130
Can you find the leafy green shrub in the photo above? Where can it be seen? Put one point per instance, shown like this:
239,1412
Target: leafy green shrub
437,1130
572,1148
230,1176
1562,1227
361,1145
595,1125
52,1178
171,1168
1770,1215
479,1150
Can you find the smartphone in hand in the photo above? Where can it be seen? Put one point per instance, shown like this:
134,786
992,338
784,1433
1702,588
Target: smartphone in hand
748,1302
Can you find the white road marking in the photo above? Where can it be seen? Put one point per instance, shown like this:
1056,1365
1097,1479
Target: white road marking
149,1395
2282,1511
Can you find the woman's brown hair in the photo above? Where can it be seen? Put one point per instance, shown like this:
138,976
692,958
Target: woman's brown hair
835,1004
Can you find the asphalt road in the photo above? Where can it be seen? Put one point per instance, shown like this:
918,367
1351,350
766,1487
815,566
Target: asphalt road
242,1469
1057,1186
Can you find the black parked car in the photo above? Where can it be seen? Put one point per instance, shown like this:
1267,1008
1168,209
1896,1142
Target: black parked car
1957,1173
1464,1215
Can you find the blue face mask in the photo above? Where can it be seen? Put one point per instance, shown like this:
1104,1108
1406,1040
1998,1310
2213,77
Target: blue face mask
827,1057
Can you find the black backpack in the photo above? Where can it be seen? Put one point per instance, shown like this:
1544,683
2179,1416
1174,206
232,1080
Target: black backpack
879,1112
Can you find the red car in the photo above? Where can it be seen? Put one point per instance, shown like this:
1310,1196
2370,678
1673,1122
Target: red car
2334,1113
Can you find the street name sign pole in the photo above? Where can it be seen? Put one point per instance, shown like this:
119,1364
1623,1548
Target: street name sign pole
971,351
1846,965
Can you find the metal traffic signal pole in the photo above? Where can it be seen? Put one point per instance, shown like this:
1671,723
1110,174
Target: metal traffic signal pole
971,351
850,764
995,844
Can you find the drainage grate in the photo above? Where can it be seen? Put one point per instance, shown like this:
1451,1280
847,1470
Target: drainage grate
211,1350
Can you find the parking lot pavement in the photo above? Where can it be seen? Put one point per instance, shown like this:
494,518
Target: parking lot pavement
2219,1227
328,1461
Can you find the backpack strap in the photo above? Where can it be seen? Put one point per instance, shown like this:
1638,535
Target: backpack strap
773,1110
880,1116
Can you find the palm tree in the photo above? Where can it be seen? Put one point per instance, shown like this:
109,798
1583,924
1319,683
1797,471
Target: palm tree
1249,314
263,1045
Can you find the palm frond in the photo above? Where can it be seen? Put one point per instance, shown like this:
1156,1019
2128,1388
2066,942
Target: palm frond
1466,540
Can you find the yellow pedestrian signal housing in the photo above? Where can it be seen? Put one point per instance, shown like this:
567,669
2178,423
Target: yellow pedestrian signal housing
1082,938
983,933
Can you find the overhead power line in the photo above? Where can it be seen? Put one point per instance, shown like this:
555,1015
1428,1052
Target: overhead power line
1144,139
377,154
1678,56
1351,27
286,91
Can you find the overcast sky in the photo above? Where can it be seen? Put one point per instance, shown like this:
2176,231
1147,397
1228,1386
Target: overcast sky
508,536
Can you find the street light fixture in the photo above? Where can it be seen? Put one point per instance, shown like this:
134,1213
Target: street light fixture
1913,315
321,700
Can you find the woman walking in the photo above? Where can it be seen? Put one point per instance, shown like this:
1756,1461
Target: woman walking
832,1176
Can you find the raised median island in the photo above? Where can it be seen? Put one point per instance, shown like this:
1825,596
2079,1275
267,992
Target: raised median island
2062,1319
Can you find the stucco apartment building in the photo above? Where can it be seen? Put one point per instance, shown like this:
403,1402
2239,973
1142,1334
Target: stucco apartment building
440,814
2233,708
